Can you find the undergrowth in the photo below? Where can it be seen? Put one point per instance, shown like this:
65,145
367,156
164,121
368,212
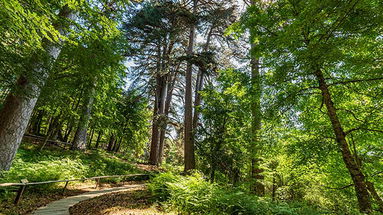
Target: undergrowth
57,164
194,195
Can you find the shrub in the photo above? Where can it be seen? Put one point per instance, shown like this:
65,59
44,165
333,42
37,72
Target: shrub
159,186
194,195
53,164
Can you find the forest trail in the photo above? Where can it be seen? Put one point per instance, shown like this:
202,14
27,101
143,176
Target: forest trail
61,207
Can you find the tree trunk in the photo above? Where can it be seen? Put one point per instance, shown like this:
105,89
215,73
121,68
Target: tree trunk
375,195
162,117
199,83
91,138
169,96
188,117
118,145
18,107
236,176
98,139
79,142
167,93
154,147
111,143
155,134
355,172
256,125
36,122
52,130
68,131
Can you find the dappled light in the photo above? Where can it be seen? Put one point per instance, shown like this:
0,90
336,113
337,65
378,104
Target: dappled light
219,107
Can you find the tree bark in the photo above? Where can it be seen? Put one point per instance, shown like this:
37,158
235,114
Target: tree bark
169,97
36,122
257,178
111,143
79,142
118,145
199,83
188,114
68,131
98,139
352,166
91,138
162,117
167,93
18,107
154,147
375,195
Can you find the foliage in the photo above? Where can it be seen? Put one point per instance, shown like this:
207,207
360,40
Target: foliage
194,195
53,164
223,139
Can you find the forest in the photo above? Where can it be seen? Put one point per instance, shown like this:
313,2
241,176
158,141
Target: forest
230,106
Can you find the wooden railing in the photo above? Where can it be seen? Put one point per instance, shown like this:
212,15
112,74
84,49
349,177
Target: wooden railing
24,183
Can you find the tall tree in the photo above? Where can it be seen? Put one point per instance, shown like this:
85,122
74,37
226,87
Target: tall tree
256,126
188,113
314,51
18,106
160,27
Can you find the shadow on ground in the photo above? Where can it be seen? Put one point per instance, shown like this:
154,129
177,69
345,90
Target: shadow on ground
137,201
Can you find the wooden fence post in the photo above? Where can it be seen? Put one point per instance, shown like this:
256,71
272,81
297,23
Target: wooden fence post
97,182
21,191
66,184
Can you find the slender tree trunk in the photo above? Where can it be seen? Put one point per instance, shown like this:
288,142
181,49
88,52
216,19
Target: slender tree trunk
115,144
169,96
111,143
91,138
79,142
256,125
37,129
153,159
162,119
188,115
118,145
18,107
154,146
199,83
375,195
68,131
71,121
98,139
167,93
36,123
236,176
352,166
52,130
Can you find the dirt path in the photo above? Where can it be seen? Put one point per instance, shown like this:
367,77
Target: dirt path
137,201
61,207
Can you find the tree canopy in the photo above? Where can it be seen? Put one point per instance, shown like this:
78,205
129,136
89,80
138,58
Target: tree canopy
278,99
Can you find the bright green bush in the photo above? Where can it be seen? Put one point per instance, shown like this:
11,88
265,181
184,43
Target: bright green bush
194,195
58,164
159,185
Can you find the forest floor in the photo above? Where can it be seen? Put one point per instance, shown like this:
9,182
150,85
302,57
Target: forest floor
38,166
137,201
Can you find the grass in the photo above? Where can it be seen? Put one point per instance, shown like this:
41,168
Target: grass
56,164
